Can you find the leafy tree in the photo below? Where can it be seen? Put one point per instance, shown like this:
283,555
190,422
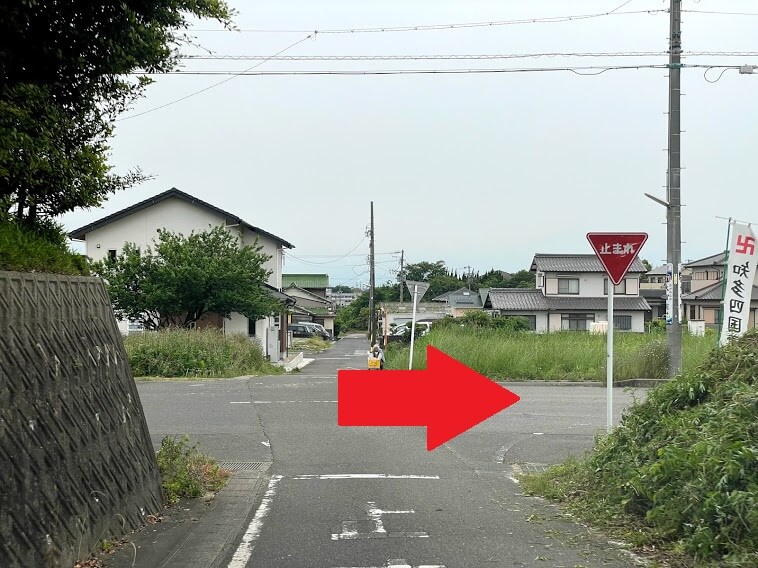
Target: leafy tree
186,277
522,279
424,271
65,74
341,288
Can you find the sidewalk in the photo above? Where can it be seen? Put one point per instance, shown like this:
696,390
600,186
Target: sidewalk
195,532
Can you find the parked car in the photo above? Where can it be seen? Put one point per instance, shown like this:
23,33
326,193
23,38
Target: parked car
300,330
316,329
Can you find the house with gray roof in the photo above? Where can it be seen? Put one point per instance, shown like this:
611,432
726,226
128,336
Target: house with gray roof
572,293
703,302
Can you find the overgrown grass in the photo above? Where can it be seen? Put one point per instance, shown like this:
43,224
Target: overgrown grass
572,356
195,353
186,472
311,344
40,250
681,471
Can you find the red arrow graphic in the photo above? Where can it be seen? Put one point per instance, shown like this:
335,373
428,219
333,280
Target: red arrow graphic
448,398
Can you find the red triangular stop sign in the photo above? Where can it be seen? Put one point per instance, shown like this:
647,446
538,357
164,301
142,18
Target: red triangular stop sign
617,251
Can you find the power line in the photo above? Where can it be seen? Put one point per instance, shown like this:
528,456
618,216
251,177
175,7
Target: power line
211,86
290,255
442,57
580,70
718,13
464,57
438,27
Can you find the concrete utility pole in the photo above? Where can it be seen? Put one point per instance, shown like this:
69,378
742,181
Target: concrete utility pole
401,278
673,185
372,282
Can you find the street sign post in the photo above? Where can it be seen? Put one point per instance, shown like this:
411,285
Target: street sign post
417,290
616,252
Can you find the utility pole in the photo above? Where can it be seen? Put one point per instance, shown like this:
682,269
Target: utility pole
673,185
402,279
372,282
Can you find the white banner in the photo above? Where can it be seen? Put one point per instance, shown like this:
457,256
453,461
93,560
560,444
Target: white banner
740,274
669,293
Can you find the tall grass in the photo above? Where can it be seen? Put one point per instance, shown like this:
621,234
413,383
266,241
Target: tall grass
40,250
195,353
568,356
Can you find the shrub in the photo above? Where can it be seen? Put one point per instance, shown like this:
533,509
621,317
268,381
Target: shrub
186,472
40,249
195,352
683,464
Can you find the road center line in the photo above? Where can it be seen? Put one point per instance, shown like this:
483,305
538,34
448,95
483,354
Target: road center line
245,549
294,401
334,476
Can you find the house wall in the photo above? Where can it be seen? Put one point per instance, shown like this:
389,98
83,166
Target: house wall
179,216
638,320
591,284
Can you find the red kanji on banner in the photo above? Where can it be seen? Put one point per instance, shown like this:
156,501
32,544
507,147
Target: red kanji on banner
617,251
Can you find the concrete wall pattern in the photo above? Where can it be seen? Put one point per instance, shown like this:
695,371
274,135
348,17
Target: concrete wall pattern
77,461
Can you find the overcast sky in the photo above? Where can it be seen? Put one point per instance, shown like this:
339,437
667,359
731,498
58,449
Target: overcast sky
479,170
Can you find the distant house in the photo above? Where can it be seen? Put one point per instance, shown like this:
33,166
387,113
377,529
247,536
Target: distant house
571,293
703,302
180,212
313,307
316,283
653,289
342,299
464,300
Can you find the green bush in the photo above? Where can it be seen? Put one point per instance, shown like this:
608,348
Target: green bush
195,353
186,472
683,465
41,249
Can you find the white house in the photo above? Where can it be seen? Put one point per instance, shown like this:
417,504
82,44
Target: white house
572,292
179,212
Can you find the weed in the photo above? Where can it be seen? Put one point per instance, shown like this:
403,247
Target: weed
681,471
186,472
195,353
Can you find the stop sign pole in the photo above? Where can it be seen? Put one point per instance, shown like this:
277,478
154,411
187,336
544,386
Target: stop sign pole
616,252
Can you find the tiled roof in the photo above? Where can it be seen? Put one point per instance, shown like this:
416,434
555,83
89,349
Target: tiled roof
575,263
465,299
661,270
305,280
517,299
80,233
652,293
620,303
712,293
708,261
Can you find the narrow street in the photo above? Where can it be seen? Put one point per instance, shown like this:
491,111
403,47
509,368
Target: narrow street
341,497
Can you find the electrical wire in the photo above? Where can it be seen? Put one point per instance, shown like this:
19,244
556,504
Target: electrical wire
716,80
578,69
290,255
437,27
716,13
464,57
184,98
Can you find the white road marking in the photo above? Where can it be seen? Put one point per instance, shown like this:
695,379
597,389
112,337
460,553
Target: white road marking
239,402
267,444
399,563
245,549
350,528
293,401
365,476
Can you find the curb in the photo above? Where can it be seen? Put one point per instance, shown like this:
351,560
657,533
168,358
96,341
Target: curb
195,532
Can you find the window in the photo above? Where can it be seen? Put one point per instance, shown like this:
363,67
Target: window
568,285
250,326
693,313
111,254
617,289
576,322
622,323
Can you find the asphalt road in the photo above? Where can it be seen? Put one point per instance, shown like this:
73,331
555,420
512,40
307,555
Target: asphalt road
343,497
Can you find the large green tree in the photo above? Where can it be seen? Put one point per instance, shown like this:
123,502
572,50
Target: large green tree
67,69
182,278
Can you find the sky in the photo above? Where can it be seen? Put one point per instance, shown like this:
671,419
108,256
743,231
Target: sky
480,170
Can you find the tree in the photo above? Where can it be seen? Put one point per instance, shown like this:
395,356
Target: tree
424,271
341,288
186,277
522,279
65,74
